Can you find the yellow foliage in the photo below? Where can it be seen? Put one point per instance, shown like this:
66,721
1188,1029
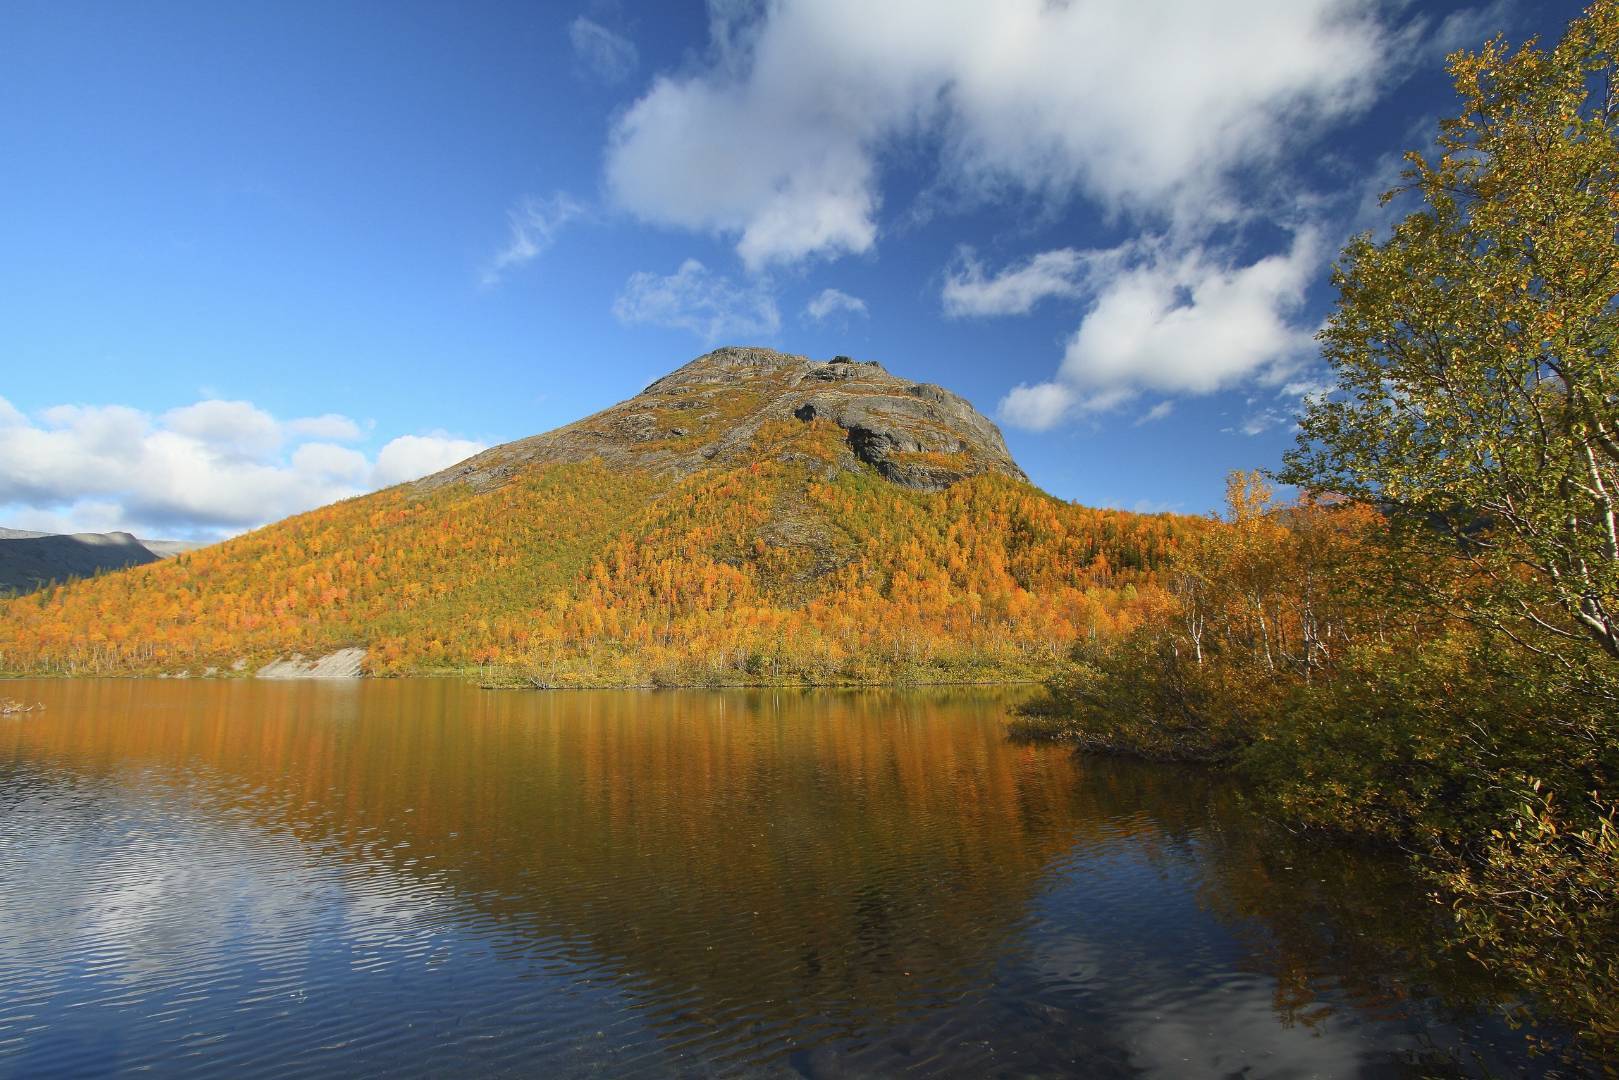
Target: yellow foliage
577,574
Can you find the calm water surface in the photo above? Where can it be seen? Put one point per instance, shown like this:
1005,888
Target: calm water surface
422,878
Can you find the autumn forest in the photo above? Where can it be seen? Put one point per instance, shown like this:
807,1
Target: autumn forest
579,575
1404,635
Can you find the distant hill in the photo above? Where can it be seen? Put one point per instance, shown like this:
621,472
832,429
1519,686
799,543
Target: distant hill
32,560
751,517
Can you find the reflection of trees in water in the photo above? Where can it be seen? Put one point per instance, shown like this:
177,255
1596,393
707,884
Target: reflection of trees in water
1316,916
778,862
818,855
1337,926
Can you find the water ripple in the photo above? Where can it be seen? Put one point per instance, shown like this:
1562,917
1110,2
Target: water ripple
423,879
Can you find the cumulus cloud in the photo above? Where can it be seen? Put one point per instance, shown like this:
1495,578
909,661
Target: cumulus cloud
326,426
777,140
1037,407
1016,290
833,301
233,429
411,456
611,57
534,225
330,461
694,298
202,470
1176,320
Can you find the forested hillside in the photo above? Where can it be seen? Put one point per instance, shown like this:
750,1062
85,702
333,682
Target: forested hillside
807,551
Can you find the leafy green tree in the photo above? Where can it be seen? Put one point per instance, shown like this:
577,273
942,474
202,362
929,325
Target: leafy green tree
1478,388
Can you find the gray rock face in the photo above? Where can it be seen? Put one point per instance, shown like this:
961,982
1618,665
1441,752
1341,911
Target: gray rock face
709,412
342,664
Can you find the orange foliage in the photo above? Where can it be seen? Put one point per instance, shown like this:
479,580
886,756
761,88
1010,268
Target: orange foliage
577,574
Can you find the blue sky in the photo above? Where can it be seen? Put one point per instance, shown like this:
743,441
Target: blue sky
259,256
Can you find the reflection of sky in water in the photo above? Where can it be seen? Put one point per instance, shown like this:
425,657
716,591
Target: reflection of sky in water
157,932
1117,935
419,879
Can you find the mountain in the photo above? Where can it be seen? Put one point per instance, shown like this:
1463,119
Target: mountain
752,517
32,560
710,413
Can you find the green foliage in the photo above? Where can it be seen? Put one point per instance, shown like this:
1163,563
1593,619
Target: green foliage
1400,729
1478,406
1425,742
1259,605
1478,384
1539,899
1141,696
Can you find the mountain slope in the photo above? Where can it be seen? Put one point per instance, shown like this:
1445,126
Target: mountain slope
753,517
32,560
710,413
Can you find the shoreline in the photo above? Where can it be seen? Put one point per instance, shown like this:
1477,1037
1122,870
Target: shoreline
470,678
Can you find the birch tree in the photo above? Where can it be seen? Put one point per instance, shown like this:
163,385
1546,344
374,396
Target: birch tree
1477,397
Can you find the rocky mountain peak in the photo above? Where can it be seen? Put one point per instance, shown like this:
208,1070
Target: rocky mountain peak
710,412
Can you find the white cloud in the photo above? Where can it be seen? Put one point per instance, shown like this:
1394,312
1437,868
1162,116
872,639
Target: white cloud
202,470
232,428
705,157
326,426
328,460
694,298
1037,407
1290,397
1176,321
611,57
1014,291
830,301
1259,422
778,139
1467,28
1306,389
1156,413
87,516
534,226
412,456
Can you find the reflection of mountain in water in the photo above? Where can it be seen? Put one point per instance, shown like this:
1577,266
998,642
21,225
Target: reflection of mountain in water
765,871
807,851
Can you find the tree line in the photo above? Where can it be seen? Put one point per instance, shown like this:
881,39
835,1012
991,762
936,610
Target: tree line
1423,647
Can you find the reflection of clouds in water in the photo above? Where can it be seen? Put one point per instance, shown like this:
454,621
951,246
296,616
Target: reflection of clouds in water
419,877
131,873
1120,940
392,918
172,879
1234,1028
133,893
142,868
162,929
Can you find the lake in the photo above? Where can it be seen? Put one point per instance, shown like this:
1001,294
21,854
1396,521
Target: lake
421,878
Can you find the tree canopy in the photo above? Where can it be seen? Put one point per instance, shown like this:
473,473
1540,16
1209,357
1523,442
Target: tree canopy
1477,399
